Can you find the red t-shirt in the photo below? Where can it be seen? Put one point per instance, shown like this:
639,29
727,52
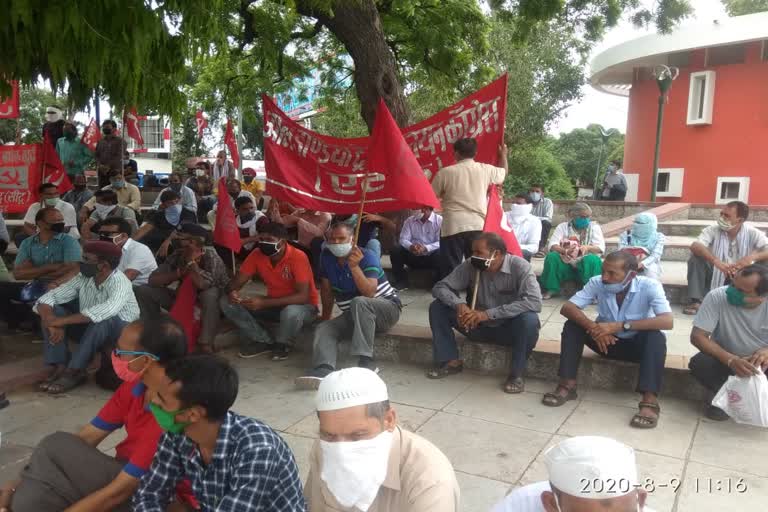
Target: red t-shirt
281,279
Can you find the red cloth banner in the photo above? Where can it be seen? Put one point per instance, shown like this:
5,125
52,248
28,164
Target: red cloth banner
231,142
132,129
496,222
225,233
19,176
325,173
91,135
183,311
53,169
9,107
201,122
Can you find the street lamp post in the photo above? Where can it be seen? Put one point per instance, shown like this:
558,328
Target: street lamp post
664,77
603,138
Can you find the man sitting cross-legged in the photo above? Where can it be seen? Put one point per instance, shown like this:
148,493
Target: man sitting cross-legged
90,308
731,332
508,303
419,246
68,471
235,463
632,312
368,303
291,295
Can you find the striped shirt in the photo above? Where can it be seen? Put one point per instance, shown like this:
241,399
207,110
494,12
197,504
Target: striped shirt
344,288
113,298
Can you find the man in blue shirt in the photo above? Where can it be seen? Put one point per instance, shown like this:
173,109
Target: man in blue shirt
369,304
632,312
234,463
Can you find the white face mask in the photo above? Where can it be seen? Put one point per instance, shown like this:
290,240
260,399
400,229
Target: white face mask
102,210
199,172
354,471
557,504
520,210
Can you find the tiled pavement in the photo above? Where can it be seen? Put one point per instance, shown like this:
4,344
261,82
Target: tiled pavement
495,441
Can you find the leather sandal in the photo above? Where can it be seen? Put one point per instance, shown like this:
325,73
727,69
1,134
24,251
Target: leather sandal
554,399
514,385
440,372
640,421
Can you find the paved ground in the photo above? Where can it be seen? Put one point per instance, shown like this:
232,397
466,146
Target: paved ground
495,441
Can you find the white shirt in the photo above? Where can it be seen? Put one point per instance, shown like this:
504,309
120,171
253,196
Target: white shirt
243,193
139,257
66,209
188,199
562,231
528,499
426,233
527,230
250,226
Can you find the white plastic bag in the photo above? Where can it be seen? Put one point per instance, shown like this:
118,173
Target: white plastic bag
745,399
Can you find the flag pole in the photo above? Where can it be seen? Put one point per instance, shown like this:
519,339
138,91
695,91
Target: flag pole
360,213
474,291
234,269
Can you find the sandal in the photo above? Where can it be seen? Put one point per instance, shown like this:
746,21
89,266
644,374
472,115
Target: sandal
554,399
640,421
66,383
540,254
441,372
53,377
692,308
514,385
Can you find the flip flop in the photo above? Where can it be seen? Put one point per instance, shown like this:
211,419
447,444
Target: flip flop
646,422
53,377
555,399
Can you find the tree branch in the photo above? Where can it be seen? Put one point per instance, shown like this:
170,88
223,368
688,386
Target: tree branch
308,34
280,72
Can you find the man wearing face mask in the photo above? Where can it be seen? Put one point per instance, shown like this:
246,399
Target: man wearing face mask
49,198
251,184
731,333
73,154
202,185
586,474
632,312
544,209
130,169
188,200
223,168
91,308
249,223
106,206
128,195
109,152
79,195
234,192
526,226
615,183
291,298
53,127
234,463
169,218
508,303
69,470
721,251
364,462
354,278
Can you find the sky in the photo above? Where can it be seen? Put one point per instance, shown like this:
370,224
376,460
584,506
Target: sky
607,109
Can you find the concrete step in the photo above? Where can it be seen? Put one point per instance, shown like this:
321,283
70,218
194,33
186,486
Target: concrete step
677,248
694,227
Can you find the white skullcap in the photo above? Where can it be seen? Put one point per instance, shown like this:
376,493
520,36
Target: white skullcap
350,387
592,467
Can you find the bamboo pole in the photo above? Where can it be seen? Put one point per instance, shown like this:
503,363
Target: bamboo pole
474,292
360,213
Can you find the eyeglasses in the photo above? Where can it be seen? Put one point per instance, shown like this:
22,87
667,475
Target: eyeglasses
139,353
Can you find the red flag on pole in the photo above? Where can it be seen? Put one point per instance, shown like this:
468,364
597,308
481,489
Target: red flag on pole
226,233
202,123
53,169
131,123
390,155
91,135
496,222
183,311
231,142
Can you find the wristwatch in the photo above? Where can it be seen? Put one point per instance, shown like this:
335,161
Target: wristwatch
626,326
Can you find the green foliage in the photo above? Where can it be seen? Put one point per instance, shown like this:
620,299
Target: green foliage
537,165
741,7
33,103
579,150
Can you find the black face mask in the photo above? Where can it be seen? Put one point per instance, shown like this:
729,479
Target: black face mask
89,269
269,248
481,264
247,217
106,131
57,227
247,179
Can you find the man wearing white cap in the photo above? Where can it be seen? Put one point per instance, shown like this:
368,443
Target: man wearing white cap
364,462
586,474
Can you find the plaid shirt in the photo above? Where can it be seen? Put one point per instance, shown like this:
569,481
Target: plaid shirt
252,470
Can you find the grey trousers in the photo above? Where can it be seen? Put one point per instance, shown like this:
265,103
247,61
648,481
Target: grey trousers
152,299
364,318
64,469
250,323
699,278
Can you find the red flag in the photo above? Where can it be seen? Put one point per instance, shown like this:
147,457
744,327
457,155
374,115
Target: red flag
53,169
91,135
9,107
201,122
496,222
131,123
183,311
226,233
231,142
390,155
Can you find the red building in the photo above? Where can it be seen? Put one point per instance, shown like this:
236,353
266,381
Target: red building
714,145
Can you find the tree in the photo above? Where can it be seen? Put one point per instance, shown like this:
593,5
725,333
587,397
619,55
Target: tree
579,150
537,165
741,7
33,103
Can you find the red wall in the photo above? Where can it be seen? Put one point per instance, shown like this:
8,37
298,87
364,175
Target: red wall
735,144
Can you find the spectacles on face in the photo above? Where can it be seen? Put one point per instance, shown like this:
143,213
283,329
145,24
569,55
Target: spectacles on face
137,353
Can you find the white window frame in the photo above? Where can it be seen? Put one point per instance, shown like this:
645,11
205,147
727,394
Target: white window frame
701,100
676,177
743,189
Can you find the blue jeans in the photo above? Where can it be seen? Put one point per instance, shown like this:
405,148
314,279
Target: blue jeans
520,333
91,338
291,318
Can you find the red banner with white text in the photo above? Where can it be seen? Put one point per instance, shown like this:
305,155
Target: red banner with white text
20,169
9,107
325,173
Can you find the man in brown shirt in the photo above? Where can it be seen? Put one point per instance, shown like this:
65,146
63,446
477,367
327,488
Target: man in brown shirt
365,462
109,152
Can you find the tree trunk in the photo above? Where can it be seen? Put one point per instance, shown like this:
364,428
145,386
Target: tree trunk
358,26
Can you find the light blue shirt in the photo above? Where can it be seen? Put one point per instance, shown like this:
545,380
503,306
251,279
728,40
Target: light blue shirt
645,299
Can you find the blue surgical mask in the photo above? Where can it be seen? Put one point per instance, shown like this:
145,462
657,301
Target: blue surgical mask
535,196
173,214
118,184
581,223
620,287
339,250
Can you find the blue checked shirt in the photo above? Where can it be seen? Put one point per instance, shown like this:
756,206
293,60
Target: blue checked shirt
252,470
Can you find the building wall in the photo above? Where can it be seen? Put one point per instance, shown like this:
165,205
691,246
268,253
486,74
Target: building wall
735,144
